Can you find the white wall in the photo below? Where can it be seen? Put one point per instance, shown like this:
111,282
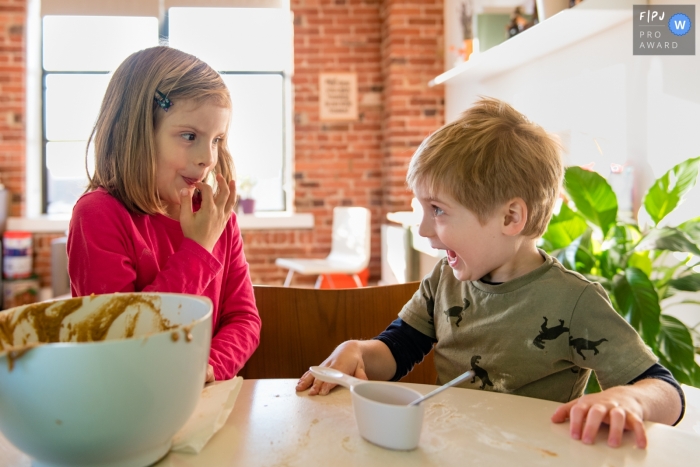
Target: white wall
607,105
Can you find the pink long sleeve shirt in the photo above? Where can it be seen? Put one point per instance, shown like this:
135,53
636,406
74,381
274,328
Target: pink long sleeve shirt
113,250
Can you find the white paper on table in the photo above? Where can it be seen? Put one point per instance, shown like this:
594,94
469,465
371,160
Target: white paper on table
214,407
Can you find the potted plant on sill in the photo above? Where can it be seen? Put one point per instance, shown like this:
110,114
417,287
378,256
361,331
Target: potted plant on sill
245,187
639,267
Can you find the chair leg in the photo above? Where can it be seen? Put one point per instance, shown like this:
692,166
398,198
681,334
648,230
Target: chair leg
288,280
357,280
318,281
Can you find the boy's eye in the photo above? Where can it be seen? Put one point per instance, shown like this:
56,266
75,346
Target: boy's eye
436,210
188,136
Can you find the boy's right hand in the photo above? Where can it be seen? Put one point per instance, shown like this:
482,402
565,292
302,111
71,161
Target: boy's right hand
347,357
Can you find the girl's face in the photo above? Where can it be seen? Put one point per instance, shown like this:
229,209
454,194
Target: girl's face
187,147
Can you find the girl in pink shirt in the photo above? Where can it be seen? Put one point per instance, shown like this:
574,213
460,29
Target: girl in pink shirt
157,215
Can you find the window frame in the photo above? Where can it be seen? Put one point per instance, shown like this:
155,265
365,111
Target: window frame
36,200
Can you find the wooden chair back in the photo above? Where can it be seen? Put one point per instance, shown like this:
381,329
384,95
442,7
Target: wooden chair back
301,327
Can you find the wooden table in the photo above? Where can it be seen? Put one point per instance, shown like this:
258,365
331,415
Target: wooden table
272,425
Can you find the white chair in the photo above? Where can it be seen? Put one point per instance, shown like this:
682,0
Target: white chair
350,248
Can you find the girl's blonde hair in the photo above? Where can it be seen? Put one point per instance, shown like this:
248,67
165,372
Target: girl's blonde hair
124,134
488,156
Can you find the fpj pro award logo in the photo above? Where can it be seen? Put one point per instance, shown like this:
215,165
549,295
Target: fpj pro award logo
664,29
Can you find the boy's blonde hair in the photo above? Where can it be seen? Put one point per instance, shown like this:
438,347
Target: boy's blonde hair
488,156
124,134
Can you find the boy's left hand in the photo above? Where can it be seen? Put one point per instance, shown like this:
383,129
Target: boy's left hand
616,407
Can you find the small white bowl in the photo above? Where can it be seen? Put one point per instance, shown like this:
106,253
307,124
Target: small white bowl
384,417
116,402
381,409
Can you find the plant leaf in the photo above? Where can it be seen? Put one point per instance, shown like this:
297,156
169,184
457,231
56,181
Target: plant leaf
641,261
668,191
593,196
564,228
578,256
620,243
586,254
695,376
639,303
676,344
689,283
592,386
668,238
692,228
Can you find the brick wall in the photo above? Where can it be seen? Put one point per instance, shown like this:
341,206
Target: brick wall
412,51
395,47
12,136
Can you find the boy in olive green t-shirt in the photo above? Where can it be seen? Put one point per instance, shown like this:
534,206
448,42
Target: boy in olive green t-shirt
498,305
538,335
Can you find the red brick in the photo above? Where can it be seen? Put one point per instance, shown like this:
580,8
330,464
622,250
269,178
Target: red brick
394,47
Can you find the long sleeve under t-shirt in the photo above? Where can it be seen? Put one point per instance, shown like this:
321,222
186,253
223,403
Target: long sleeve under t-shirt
113,250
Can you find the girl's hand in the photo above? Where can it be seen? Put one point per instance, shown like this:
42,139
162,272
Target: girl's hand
206,225
210,374
615,407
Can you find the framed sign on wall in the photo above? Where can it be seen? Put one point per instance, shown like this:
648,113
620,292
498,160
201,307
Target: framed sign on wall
338,97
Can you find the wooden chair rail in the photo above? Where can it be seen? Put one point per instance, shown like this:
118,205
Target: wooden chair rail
301,327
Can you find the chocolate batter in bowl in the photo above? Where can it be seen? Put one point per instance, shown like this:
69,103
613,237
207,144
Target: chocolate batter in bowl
103,380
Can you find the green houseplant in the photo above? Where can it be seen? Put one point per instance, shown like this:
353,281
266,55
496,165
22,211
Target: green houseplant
639,266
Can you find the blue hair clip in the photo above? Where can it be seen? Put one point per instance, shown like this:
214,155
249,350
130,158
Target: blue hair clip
163,101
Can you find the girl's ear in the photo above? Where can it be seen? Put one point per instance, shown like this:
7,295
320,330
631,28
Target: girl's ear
514,217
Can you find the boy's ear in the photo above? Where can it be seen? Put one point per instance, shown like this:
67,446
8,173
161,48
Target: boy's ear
514,216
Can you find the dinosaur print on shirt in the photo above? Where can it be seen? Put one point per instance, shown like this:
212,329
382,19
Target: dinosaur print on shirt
583,344
456,311
480,373
518,332
549,334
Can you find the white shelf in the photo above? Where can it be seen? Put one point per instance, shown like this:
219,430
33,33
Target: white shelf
561,30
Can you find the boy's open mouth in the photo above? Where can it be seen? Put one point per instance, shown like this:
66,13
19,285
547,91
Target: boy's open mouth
451,257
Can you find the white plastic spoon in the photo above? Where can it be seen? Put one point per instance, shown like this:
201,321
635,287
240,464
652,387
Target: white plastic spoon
457,380
331,375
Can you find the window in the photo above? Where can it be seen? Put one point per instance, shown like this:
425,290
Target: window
250,47
77,58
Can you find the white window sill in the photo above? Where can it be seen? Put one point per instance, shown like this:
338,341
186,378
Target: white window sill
47,223
52,223
276,221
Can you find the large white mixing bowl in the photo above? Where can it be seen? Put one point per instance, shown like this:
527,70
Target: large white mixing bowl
115,402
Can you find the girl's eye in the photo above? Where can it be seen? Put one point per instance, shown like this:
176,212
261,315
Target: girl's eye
188,136
436,210
216,141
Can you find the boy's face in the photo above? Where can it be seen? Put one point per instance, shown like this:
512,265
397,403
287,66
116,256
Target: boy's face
187,146
473,250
